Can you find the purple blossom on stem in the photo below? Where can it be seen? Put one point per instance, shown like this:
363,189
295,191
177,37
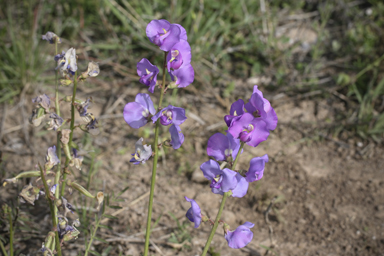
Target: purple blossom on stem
51,158
148,74
164,34
44,101
142,152
179,56
67,62
51,37
194,213
250,130
177,137
136,114
258,106
221,180
222,146
242,187
170,115
237,110
256,168
183,76
240,237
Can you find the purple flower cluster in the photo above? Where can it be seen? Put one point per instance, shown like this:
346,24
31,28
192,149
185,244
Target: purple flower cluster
248,123
171,38
251,122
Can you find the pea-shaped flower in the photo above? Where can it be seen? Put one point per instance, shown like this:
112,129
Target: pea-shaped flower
51,37
249,129
221,180
164,34
237,110
240,237
194,213
182,77
67,62
51,158
148,74
137,113
179,56
258,106
177,137
222,146
256,168
170,115
142,152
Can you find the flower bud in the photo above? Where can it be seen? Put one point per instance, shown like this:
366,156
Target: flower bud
67,98
65,82
27,174
80,188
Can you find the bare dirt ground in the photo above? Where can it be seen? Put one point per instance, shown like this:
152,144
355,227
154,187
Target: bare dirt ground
330,191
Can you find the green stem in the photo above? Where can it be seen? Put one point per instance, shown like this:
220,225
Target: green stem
218,216
11,231
3,248
154,167
238,155
93,234
58,147
72,127
216,224
52,208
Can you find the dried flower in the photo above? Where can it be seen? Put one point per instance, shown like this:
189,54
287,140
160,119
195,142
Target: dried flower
142,152
51,38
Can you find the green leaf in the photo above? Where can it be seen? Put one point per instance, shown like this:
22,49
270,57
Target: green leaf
100,239
104,226
95,253
110,217
115,207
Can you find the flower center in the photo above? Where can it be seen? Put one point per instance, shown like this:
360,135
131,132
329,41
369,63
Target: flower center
166,117
216,182
176,60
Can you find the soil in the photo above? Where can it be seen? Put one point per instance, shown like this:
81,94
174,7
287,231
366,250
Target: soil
329,191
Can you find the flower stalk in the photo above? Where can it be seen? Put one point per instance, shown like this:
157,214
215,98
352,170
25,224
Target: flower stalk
154,167
52,208
218,216
72,127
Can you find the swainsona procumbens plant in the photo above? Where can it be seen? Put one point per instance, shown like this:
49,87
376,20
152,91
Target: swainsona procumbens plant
248,124
51,173
172,39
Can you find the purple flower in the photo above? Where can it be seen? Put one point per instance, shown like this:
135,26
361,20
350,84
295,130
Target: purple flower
136,114
242,186
177,137
164,34
51,158
221,180
249,129
56,122
256,168
194,213
170,115
222,146
148,74
142,152
258,106
183,76
51,37
44,101
66,62
179,56
237,109
240,237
